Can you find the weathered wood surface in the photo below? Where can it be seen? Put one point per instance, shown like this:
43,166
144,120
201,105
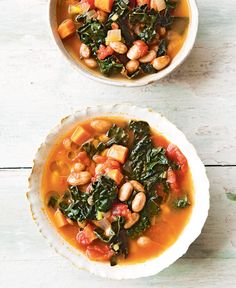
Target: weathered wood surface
38,87
27,261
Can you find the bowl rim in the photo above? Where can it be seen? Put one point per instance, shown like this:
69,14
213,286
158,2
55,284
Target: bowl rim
131,271
145,80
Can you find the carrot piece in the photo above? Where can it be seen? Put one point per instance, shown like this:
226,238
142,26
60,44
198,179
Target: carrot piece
116,175
80,135
66,28
60,219
118,153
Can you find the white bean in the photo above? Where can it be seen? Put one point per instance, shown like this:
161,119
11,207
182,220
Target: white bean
84,51
161,62
138,202
118,47
91,63
149,57
143,241
101,125
134,52
132,66
137,186
78,167
79,178
125,191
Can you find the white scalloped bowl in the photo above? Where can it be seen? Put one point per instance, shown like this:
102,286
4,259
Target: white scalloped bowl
144,80
188,235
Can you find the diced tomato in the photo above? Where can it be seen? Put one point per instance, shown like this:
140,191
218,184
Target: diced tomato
143,2
86,236
143,47
172,180
104,51
99,251
174,154
120,209
99,159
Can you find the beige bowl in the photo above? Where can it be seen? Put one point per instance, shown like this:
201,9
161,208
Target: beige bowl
151,266
144,80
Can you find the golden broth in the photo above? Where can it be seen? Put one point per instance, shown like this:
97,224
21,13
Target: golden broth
169,223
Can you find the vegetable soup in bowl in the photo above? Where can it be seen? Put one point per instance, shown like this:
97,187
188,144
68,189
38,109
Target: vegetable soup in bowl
120,194
124,42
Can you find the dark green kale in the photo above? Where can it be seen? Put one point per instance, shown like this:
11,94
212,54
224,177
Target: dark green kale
116,134
148,19
104,192
90,149
162,48
142,225
117,239
74,205
182,202
93,34
109,65
119,9
148,68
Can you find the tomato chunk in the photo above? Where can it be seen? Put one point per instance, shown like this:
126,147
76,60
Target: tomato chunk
86,236
174,154
99,252
104,51
120,209
172,180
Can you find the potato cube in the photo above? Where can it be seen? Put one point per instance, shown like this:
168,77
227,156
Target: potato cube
80,135
118,153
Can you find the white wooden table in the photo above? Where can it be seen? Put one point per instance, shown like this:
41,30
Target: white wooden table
37,88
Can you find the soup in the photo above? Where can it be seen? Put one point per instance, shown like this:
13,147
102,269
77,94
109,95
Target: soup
122,37
117,190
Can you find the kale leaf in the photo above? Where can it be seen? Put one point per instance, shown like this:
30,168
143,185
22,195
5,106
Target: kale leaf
162,48
148,18
93,34
104,192
116,134
148,68
182,202
74,205
142,225
109,65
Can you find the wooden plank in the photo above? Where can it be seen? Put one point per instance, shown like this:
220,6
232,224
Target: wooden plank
209,262
38,87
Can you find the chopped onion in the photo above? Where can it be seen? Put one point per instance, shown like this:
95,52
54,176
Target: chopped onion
92,14
80,8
